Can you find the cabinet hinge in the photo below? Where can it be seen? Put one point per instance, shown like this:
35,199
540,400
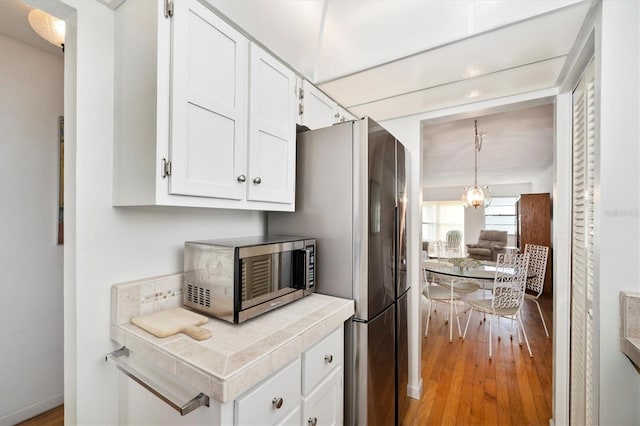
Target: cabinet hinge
166,168
301,93
168,8
300,109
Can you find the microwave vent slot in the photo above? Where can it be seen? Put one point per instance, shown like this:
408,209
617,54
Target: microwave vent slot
198,295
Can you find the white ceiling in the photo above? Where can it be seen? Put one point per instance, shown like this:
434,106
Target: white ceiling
516,148
388,59
391,58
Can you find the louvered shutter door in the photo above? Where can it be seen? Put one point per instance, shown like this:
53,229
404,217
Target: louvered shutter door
582,276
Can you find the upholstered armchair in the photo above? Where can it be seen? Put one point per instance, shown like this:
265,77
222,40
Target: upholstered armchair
489,244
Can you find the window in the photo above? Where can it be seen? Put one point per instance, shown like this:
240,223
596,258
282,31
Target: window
440,217
501,215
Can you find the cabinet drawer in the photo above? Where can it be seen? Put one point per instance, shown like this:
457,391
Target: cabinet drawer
318,361
259,406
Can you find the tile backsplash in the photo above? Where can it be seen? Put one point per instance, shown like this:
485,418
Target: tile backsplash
142,297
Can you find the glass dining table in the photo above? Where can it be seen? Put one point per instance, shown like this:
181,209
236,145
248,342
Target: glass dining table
465,279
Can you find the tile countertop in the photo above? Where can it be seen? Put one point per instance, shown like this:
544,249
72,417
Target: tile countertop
236,357
630,326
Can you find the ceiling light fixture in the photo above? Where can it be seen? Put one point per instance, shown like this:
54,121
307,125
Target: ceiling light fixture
48,27
476,196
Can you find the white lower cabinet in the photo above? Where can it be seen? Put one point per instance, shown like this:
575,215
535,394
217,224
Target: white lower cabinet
308,391
312,385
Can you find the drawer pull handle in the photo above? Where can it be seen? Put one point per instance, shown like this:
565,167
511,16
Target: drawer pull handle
313,421
328,358
277,402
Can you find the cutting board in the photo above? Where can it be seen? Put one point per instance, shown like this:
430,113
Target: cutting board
172,321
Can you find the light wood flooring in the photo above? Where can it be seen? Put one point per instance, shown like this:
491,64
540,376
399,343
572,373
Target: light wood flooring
463,387
53,417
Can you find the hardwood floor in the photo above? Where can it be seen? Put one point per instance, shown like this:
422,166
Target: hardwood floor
463,387
53,417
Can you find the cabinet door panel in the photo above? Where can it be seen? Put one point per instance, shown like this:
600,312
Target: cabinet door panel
272,146
324,405
319,109
208,141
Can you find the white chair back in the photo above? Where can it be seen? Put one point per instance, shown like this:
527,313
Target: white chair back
510,281
538,265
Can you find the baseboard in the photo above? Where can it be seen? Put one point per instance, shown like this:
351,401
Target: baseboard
34,409
415,392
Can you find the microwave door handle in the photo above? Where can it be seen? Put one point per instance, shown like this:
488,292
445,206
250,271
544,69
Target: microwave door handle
307,268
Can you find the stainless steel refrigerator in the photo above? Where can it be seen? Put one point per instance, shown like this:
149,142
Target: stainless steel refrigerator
350,196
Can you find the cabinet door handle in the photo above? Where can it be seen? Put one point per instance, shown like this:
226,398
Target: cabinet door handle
257,180
336,115
242,178
328,358
313,421
277,402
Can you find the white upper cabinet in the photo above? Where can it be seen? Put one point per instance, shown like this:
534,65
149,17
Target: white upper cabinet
272,130
187,132
344,115
209,100
317,110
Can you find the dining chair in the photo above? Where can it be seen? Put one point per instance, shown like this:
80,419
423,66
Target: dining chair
538,265
461,288
453,240
508,294
435,293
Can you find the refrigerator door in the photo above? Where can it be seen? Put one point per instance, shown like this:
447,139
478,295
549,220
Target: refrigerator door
401,217
381,214
402,350
375,364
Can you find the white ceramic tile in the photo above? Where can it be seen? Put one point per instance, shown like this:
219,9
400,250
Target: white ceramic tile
286,353
114,306
137,345
247,378
314,335
193,377
148,308
147,291
128,303
218,388
253,352
162,359
117,334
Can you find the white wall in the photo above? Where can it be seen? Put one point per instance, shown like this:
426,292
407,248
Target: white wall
31,262
543,183
618,75
107,245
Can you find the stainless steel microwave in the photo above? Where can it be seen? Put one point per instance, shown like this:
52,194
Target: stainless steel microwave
238,279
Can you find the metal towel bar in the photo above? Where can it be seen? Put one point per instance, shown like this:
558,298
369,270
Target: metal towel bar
116,358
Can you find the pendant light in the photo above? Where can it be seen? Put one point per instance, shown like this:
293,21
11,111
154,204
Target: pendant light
48,27
476,196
